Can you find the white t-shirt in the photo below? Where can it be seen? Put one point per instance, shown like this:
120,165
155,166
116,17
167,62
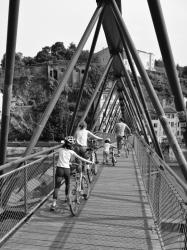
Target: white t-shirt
64,157
120,129
82,137
106,147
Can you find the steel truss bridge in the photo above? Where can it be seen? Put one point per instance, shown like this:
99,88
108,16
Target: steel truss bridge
27,183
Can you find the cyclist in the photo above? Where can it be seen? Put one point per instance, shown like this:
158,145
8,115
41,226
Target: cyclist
63,168
121,130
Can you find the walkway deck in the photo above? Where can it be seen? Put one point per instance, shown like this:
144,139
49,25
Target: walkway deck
116,216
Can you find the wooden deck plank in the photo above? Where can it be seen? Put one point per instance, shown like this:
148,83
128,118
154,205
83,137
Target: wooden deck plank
116,216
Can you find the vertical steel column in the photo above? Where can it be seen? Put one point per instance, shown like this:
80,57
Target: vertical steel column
107,68
163,119
165,48
86,71
9,73
103,107
64,81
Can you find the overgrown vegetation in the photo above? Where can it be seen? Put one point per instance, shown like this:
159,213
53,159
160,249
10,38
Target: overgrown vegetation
31,95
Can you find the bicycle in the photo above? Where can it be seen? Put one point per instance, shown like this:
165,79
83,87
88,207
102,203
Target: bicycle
79,189
113,158
93,156
126,145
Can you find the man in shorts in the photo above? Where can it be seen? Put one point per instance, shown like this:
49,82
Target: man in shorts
121,130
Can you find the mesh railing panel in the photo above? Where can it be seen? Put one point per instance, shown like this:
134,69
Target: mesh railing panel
23,189
168,207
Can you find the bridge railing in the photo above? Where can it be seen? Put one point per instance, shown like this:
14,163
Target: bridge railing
25,185
167,196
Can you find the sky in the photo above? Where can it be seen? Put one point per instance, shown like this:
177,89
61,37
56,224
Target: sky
44,22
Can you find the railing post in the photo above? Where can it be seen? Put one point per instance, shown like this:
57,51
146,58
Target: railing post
149,174
25,189
53,169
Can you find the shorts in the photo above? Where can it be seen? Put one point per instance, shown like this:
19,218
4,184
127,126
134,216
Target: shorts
119,139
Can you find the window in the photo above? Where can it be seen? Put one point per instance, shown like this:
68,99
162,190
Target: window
172,124
55,74
155,125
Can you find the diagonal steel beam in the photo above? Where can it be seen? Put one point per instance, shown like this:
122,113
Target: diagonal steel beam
105,112
103,106
107,68
98,27
93,118
139,107
167,56
64,81
156,103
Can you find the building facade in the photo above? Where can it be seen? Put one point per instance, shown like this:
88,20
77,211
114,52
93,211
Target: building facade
147,58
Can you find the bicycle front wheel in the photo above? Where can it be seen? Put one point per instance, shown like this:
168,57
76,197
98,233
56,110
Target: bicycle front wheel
113,161
90,174
95,169
85,187
75,199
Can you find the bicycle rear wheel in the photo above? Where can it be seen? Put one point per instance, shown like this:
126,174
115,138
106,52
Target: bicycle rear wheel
86,187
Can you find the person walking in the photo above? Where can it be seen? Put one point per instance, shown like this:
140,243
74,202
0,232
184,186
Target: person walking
63,168
106,150
82,135
121,130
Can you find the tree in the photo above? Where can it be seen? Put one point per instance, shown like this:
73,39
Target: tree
184,72
44,55
58,51
159,63
70,51
28,61
18,60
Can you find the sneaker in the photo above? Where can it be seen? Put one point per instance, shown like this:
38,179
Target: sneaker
53,207
67,199
81,192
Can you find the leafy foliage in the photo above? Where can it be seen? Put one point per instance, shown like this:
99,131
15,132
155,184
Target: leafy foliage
31,94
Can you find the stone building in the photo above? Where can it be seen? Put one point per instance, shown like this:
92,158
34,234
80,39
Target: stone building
147,58
48,70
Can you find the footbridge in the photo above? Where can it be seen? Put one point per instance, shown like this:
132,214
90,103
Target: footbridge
138,204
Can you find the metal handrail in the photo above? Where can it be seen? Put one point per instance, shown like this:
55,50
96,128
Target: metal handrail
6,166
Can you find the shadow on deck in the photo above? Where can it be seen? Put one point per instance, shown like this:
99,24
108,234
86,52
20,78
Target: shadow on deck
116,216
